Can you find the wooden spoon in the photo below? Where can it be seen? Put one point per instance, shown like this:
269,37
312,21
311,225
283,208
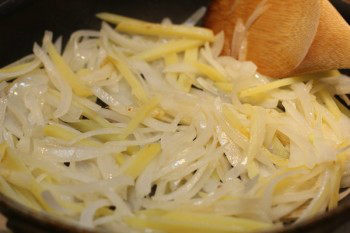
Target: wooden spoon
331,46
287,38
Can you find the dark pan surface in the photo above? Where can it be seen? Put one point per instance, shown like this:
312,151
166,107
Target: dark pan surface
23,22
26,24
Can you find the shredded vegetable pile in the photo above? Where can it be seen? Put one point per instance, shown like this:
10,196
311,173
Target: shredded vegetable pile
145,127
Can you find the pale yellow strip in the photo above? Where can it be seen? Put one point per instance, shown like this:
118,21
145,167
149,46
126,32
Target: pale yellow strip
120,158
224,86
83,72
19,173
92,115
15,68
209,71
191,55
185,81
66,72
132,149
140,115
7,190
270,86
136,87
192,222
234,121
335,185
278,148
89,125
174,46
171,59
64,134
161,30
3,147
278,160
140,160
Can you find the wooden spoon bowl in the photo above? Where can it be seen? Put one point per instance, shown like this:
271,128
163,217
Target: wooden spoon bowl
331,46
289,38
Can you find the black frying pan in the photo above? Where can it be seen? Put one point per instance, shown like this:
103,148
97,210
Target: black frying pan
22,22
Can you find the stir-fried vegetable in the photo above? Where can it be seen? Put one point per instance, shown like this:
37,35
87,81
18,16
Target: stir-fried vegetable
145,127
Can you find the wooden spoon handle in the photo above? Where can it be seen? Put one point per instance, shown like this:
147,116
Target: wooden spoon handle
331,46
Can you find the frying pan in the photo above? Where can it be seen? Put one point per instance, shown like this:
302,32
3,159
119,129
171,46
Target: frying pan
22,22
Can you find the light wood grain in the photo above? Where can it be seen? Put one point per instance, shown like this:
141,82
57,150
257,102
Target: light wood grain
291,37
331,46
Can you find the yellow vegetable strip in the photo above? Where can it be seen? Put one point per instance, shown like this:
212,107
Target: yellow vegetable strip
171,59
3,147
83,72
209,71
75,207
68,75
191,55
120,158
132,149
282,138
141,159
255,143
92,115
338,172
62,133
19,173
224,86
104,211
116,19
174,46
89,125
161,30
330,103
252,168
187,222
185,81
8,191
136,87
287,178
278,160
10,163
15,68
331,73
140,115
85,125
234,121
278,148
270,86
